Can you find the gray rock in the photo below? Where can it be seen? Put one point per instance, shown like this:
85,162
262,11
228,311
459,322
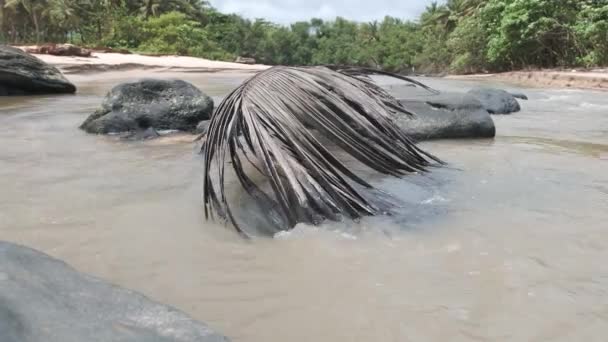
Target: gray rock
160,104
245,60
445,116
519,95
44,300
202,127
141,134
496,101
24,74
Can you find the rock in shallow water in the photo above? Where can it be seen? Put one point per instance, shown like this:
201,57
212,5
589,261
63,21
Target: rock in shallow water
445,116
203,127
160,104
44,300
518,95
24,74
496,101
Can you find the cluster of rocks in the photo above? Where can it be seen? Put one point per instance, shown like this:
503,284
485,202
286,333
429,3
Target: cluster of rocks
445,115
149,105
145,107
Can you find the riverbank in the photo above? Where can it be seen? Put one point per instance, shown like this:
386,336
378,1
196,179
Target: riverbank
581,79
102,61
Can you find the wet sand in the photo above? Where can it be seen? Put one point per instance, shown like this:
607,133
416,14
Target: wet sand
581,79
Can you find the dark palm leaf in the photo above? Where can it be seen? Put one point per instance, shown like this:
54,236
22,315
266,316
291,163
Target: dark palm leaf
266,127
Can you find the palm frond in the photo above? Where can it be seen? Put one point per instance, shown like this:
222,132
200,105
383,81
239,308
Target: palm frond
271,127
364,73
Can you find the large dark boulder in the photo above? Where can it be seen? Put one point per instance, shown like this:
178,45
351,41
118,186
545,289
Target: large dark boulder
496,101
159,104
44,300
444,116
24,74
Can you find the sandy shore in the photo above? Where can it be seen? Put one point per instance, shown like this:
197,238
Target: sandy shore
593,79
100,62
116,61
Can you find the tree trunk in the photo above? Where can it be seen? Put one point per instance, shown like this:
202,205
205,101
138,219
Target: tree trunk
149,4
98,30
35,20
2,21
81,32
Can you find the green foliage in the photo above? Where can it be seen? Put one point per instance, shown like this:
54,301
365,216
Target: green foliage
392,44
127,32
173,33
592,31
459,36
467,44
434,56
541,28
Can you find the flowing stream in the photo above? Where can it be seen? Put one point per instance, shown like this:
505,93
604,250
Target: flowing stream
508,243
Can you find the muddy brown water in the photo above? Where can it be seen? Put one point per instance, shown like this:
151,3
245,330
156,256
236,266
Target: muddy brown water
507,244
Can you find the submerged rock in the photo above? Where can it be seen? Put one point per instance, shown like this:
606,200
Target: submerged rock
496,101
24,74
445,116
43,299
141,134
519,95
150,103
202,127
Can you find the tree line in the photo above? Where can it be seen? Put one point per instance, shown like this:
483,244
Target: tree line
460,36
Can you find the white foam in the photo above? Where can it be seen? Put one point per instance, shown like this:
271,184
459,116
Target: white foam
593,105
435,199
304,230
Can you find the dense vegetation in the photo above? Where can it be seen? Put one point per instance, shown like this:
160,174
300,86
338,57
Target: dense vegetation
458,36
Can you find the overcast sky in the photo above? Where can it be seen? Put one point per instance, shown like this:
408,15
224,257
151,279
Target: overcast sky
288,11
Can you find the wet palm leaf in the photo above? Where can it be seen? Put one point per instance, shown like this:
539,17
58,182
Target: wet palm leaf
271,127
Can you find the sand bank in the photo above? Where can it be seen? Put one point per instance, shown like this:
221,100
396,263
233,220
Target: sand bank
584,79
115,61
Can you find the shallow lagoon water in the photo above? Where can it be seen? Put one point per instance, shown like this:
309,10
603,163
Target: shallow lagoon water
508,243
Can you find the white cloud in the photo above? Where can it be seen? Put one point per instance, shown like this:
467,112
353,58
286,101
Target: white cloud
288,11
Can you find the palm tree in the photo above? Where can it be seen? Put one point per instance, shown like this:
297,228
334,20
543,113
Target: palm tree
192,8
463,8
10,17
149,8
34,8
2,21
64,14
266,128
435,14
448,15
